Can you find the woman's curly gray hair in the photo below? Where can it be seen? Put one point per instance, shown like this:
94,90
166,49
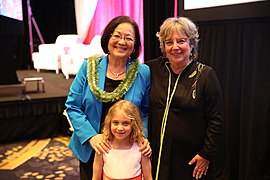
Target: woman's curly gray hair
182,25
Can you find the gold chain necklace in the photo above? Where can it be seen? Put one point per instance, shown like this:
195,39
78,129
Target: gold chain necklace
116,75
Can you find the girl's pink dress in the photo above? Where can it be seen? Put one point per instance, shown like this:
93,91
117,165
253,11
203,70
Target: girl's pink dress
122,164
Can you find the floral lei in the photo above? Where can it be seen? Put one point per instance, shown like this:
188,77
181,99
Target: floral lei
122,88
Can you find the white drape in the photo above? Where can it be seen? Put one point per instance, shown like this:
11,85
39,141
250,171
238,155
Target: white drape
93,15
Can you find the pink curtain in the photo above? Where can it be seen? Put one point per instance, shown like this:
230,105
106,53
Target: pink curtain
106,10
175,8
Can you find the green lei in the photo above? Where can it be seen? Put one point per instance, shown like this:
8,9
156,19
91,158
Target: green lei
121,89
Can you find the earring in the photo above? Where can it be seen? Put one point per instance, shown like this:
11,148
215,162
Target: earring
133,51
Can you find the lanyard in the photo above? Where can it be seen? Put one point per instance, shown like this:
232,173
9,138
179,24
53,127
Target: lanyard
165,115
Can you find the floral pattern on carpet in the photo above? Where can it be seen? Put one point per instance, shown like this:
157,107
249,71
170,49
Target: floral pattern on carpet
38,159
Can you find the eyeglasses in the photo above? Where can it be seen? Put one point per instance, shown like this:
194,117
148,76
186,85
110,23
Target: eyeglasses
118,37
178,41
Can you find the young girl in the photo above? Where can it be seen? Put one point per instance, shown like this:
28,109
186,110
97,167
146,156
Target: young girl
123,129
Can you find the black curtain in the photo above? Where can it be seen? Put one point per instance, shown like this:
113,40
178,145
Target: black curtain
53,18
11,31
155,12
238,51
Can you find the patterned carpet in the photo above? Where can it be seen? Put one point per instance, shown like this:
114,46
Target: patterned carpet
38,159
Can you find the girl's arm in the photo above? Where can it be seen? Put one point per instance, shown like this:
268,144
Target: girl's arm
146,168
97,167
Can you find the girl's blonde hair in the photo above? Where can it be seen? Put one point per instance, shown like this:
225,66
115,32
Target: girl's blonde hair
182,25
131,112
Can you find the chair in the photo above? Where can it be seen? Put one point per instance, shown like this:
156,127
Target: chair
72,61
49,55
46,58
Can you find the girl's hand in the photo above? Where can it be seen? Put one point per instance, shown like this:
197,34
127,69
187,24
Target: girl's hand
145,147
99,145
201,166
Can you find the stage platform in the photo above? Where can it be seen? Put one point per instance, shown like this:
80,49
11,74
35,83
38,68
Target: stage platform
35,114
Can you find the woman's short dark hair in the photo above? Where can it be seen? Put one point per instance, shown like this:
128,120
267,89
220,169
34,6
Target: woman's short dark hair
109,29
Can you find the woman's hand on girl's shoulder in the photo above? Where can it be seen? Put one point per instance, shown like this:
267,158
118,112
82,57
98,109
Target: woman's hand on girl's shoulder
99,144
145,148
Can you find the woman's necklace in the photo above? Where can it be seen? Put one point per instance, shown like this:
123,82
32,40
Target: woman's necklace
116,75
120,90
165,115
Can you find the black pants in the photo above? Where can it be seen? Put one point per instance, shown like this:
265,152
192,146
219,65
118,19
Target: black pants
86,169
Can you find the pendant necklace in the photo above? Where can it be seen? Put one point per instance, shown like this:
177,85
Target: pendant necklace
116,75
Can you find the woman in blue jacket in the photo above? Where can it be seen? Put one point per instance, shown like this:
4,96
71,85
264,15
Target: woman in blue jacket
99,83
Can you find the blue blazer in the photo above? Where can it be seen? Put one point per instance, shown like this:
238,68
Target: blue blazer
84,110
